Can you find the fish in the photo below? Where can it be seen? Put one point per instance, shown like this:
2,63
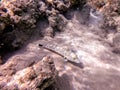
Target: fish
67,53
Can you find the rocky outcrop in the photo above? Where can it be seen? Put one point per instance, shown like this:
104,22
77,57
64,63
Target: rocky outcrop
36,76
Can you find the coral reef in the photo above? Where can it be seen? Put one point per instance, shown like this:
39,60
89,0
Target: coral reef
35,76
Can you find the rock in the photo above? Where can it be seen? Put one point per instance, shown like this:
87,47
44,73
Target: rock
37,76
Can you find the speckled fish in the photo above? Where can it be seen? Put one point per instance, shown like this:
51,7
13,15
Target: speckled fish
64,51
